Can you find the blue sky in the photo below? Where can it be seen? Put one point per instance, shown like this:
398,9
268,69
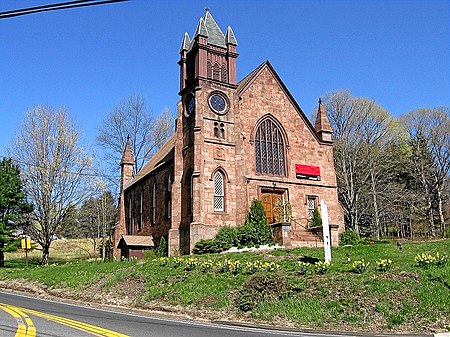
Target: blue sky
88,59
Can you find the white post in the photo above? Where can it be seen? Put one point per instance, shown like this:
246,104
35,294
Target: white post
326,231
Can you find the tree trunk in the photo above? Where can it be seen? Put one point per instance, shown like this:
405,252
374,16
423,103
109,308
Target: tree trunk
375,206
2,259
441,213
430,209
45,254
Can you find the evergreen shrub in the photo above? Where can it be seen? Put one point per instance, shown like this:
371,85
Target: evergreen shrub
349,237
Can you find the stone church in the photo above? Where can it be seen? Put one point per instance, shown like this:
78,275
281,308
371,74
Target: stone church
234,141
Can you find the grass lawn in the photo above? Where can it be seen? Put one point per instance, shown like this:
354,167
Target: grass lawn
267,287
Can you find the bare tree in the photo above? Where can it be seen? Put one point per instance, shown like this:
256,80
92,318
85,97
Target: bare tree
55,170
132,118
429,135
97,218
362,128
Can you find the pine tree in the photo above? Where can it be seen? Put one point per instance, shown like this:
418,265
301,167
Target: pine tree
13,204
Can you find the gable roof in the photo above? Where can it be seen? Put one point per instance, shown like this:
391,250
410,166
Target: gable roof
161,157
135,241
247,81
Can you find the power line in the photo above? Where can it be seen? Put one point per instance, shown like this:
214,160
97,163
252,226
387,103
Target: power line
57,6
96,174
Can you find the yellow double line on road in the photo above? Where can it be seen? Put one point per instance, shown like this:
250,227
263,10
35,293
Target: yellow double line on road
92,329
25,327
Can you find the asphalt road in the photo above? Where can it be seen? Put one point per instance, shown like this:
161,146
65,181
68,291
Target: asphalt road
25,316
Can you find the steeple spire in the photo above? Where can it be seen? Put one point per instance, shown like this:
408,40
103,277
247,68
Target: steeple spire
322,124
127,157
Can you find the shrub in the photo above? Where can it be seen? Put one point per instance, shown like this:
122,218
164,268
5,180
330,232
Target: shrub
226,237
360,266
349,237
246,235
207,246
316,220
162,248
256,218
283,211
383,264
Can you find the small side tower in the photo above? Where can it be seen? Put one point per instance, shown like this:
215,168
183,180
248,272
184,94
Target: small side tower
126,174
322,125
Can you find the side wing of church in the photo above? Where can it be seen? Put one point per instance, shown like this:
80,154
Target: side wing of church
234,141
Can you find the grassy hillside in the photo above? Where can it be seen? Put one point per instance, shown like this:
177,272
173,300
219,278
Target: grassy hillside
268,287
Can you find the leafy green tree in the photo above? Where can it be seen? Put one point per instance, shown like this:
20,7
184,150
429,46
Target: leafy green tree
13,205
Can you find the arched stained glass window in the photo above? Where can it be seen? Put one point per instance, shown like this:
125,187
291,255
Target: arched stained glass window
269,149
219,192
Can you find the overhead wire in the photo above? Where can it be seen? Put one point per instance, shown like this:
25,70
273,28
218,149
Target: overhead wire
57,6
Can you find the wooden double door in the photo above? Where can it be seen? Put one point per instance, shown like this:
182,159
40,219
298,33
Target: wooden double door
269,200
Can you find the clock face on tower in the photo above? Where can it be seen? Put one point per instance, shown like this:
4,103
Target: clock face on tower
218,103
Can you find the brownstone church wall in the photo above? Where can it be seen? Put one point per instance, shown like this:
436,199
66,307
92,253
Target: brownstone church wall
163,215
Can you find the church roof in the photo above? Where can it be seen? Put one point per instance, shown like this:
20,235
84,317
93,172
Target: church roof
161,157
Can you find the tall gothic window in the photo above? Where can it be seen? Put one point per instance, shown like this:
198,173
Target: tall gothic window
269,149
219,192
130,216
154,204
224,74
141,211
169,196
216,72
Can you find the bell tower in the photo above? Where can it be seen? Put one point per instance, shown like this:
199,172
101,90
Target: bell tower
210,54
205,133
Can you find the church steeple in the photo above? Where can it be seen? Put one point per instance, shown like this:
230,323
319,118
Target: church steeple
127,156
126,174
210,54
322,124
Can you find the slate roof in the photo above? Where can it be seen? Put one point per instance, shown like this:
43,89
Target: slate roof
215,35
229,37
208,27
161,157
186,42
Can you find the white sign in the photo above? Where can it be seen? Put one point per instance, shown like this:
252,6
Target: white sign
326,231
